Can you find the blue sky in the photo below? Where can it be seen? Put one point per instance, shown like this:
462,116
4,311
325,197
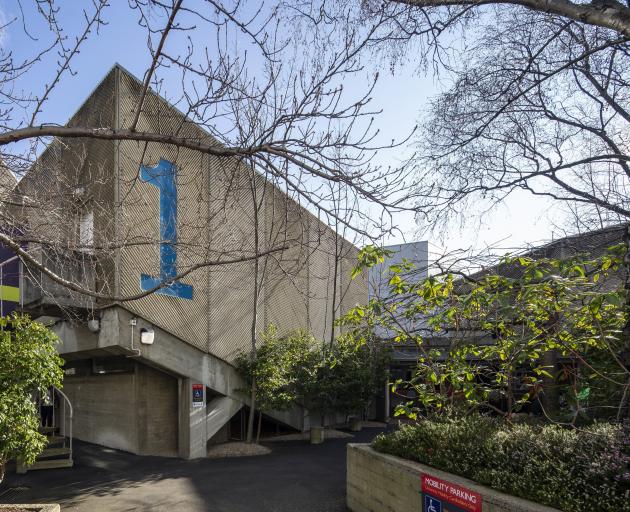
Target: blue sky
402,97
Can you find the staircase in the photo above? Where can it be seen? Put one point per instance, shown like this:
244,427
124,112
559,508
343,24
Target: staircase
218,413
58,452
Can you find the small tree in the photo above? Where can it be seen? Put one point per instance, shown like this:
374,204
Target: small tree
298,369
529,332
316,386
273,369
28,363
341,378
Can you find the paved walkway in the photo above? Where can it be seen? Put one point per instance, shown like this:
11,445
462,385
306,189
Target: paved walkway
295,477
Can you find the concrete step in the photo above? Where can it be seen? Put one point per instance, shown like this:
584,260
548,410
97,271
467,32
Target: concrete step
55,440
48,430
218,413
51,464
54,452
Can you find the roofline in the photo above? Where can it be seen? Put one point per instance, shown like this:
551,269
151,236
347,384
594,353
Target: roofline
577,236
120,67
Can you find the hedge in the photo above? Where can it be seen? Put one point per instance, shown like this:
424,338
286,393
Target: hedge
573,470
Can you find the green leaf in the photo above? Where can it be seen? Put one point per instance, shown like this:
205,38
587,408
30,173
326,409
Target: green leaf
583,393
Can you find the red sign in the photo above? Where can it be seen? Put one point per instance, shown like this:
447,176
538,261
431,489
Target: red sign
465,499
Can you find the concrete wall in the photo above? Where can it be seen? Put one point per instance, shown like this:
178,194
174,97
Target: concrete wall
104,409
70,179
136,411
157,403
414,252
378,482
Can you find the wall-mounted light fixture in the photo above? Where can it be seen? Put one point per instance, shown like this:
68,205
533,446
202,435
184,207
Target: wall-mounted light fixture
146,336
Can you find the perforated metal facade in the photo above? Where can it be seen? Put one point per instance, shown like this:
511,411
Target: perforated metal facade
215,222
71,178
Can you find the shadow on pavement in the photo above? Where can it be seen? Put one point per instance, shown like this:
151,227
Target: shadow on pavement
295,477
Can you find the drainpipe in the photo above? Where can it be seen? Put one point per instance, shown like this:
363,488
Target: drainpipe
133,322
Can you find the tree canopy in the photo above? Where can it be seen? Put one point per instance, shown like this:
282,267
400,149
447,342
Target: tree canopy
29,363
531,333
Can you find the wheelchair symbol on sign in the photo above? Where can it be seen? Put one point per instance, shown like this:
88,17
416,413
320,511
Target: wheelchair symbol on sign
432,505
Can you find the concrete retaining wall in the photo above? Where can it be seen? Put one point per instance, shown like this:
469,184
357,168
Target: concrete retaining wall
377,482
31,507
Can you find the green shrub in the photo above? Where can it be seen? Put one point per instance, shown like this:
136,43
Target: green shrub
574,470
28,363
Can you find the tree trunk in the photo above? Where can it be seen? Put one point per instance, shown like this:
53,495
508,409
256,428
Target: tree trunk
550,396
259,426
254,328
624,407
252,409
252,401
2,469
334,294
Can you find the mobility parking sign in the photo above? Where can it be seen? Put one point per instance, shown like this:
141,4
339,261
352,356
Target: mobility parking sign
442,496
197,395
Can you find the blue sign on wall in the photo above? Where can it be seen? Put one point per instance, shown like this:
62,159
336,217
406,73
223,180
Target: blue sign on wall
164,177
432,504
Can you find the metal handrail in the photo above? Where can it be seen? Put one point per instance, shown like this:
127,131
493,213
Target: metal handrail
69,404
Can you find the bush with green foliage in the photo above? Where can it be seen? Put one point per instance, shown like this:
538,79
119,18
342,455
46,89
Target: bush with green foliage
570,469
342,378
297,368
275,367
28,363
530,332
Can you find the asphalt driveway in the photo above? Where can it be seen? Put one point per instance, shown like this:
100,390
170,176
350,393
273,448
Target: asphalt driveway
295,477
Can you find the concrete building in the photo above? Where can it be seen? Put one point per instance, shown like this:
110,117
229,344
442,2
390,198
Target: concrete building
154,375
415,253
403,357
9,264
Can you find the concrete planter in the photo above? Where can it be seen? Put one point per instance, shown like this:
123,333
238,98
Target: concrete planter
31,507
317,435
377,482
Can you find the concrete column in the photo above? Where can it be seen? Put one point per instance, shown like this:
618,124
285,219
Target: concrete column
192,422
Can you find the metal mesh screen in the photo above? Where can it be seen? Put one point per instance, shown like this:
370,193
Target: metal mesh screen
73,178
140,216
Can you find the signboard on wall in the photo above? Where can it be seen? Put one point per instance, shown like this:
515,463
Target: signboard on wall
441,496
197,395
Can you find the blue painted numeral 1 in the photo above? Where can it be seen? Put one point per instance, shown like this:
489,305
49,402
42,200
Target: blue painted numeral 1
163,176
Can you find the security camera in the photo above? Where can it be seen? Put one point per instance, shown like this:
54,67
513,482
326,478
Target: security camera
146,336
